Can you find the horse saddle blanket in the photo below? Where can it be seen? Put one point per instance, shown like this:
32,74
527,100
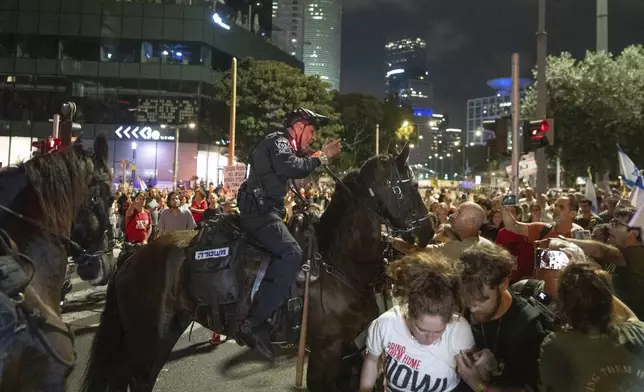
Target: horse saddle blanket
215,269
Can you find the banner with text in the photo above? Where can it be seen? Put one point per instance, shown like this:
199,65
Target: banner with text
234,176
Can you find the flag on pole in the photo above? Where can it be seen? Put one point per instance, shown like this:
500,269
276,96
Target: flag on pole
142,185
590,192
637,193
627,169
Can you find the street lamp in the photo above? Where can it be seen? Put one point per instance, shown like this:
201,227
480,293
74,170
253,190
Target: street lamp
175,170
133,163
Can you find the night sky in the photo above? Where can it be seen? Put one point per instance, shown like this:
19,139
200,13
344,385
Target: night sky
470,41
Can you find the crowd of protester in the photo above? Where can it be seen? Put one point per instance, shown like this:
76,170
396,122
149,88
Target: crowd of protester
468,320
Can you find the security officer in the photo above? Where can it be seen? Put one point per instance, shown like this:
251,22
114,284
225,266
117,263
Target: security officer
277,158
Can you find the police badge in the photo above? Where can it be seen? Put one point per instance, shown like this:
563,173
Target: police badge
283,146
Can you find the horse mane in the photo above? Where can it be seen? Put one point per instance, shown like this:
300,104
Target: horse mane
342,223
52,178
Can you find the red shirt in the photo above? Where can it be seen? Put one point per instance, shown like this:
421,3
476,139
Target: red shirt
522,249
200,205
137,226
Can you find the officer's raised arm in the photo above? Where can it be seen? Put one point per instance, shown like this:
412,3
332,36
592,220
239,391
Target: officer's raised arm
286,163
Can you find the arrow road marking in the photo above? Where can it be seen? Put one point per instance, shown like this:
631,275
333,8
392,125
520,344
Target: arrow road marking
134,131
118,132
126,132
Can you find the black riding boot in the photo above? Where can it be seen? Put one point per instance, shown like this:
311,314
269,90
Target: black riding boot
256,337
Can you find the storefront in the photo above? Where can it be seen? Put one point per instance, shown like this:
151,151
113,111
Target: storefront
146,152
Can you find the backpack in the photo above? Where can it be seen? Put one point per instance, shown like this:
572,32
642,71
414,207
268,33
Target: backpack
537,305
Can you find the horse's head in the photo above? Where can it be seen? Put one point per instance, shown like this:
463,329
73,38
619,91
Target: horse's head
92,231
394,190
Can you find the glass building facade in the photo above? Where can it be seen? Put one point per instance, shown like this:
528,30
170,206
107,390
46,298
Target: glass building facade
137,73
323,40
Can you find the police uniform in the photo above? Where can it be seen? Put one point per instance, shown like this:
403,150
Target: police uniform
261,204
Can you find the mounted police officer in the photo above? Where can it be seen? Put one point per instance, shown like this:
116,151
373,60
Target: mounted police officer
279,157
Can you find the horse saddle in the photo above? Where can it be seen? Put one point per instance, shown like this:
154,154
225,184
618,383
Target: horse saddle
226,266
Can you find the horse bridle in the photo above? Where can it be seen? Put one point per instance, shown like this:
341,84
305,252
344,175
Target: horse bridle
81,256
393,184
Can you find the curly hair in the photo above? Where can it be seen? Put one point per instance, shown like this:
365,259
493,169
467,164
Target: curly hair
428,284
585,292
484,265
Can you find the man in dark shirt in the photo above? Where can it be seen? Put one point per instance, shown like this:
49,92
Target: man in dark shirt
626,252
279,157
507,330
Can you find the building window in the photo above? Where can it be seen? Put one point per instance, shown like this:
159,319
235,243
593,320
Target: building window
37,47
8,45
129,51
171,53
80,49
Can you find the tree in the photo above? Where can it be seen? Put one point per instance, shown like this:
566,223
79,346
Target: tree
359,115
596,103
266,92
393,130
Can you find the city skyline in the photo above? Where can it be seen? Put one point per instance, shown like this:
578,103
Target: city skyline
468,46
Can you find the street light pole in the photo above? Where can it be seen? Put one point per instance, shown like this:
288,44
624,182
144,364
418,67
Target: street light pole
602,25
377,139
542,47
175,170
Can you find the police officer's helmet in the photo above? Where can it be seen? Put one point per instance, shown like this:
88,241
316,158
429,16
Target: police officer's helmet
301,114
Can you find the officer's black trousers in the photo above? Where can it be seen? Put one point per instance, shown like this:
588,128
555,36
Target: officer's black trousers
270,231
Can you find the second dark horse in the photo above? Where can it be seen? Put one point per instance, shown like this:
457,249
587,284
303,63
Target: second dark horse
149,303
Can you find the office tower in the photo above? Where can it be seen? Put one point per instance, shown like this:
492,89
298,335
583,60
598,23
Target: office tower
323,39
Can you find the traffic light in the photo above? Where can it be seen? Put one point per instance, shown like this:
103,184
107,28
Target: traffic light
53,144
65,132
500,128
538,134
46,146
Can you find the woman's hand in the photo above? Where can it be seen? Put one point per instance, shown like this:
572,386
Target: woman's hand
469,374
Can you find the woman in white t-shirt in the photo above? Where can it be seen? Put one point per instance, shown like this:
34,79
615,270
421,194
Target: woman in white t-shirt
420,338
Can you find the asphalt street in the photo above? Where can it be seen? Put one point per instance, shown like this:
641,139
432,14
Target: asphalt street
195,364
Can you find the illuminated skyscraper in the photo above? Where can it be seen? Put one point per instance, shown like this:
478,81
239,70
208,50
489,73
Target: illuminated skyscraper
323,40
288,26
406,81
406,73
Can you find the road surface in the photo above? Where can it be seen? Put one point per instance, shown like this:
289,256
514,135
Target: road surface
195,366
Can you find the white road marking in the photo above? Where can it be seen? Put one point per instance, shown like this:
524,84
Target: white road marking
82,294
83,314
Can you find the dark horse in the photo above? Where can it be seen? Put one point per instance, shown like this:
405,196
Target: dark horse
51,207
149,303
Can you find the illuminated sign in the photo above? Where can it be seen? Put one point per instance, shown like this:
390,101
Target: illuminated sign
422,112
453,130
220,22
145,133
395,72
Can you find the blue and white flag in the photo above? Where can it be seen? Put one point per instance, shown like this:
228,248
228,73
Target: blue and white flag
638,219
590,193
637,194
141,184
627,169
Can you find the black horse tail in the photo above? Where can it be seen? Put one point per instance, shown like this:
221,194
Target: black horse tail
107,355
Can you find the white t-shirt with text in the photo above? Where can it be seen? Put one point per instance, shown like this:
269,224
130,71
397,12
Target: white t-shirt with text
414,367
